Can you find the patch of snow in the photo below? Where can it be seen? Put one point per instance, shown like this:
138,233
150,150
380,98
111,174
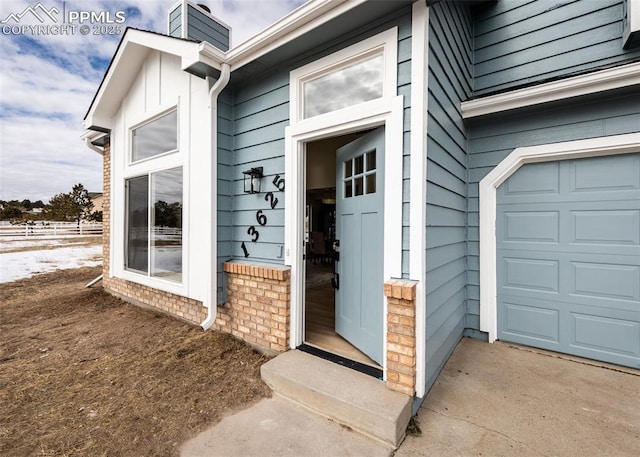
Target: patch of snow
10,244
18,265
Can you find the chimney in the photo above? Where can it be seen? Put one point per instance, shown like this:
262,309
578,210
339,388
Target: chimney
194,21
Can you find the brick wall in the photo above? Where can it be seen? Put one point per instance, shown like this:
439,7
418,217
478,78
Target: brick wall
257,308
401,335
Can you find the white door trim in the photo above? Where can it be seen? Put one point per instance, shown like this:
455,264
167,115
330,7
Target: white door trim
594,147
387,112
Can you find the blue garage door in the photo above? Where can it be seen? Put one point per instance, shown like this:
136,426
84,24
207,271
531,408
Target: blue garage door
568,252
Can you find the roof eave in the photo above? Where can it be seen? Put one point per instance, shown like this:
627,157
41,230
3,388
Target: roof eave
300,21
196,58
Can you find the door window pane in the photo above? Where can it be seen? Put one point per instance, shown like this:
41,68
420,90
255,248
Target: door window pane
359,165
166,231
156,137
359,187
137,243
356,83
371,183
348,188
371,160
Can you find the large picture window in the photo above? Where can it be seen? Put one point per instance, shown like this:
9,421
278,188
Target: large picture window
154,224
156,137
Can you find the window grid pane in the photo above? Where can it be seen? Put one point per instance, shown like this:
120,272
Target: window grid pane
137,243
166,232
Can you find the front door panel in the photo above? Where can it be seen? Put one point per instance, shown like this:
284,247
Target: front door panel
359,229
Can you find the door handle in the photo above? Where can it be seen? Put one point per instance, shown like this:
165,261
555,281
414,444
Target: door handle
335,281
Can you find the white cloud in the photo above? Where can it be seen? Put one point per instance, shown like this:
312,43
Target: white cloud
48,81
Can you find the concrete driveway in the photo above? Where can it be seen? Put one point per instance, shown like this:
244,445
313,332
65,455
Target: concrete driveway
498,399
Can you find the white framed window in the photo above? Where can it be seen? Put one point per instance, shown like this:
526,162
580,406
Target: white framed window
153,233
155,137
361,73
153,244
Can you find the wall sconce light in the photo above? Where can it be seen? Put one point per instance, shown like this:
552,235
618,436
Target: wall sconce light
252,179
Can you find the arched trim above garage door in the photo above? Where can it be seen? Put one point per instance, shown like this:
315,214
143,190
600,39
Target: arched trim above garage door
593,147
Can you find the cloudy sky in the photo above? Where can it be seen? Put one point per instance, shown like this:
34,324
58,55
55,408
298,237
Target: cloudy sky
48,81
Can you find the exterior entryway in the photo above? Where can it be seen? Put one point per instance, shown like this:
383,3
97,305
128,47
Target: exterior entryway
359,242
334,277
568,257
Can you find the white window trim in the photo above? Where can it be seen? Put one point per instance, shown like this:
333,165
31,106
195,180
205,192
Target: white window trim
598,81
385,43
147,120
126,170
596,147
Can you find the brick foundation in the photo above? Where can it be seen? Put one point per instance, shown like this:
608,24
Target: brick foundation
401,335
257,308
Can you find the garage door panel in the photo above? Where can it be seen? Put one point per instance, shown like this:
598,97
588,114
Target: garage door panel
531,226
531,274
610,281
536,179
530,324
616,337
621,174
569,261
606,227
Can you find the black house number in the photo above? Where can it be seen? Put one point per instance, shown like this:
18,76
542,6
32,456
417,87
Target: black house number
261,218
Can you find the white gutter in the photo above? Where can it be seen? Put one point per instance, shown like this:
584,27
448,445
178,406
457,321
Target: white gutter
93,147
211,292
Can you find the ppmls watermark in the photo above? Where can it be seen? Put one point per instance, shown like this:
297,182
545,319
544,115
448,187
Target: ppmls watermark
40,20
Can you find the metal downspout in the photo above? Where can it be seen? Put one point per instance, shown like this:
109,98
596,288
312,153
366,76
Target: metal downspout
210,300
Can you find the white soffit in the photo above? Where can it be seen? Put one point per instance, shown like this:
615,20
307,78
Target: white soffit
598,81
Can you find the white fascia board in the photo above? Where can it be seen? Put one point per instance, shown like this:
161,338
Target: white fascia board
300,21
598,81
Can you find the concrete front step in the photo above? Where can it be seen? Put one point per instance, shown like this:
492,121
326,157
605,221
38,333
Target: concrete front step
344,395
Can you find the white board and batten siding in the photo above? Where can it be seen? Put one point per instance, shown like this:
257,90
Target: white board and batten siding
160,85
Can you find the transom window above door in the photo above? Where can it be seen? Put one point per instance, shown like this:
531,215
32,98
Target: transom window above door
361,73
360,175
348,85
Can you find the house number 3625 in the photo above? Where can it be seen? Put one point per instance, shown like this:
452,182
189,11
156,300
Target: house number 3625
261,218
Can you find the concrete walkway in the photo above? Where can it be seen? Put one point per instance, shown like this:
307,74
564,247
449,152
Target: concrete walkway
491,399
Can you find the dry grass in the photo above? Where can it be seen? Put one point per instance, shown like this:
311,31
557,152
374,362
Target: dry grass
83,373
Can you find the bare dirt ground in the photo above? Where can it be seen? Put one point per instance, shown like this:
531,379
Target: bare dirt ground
83,373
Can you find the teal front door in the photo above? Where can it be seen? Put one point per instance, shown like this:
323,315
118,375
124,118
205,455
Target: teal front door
359,235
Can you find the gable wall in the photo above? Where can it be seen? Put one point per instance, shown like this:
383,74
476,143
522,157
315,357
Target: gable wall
160,85
518,43
450,71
